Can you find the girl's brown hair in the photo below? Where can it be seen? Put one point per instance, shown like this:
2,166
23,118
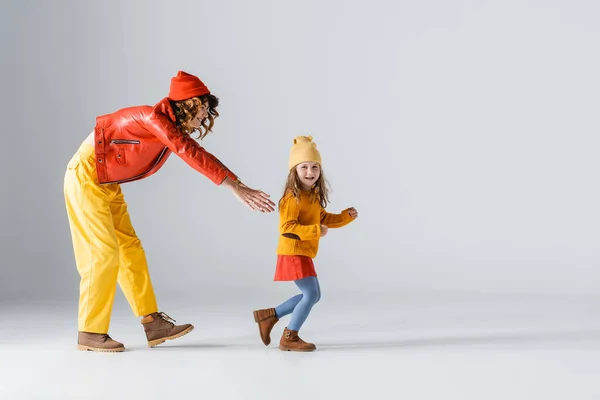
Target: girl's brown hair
318,192
186,110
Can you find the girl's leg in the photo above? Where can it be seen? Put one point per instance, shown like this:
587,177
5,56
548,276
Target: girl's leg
287,306
311,294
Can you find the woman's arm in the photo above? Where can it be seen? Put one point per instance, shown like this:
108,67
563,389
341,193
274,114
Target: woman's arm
202,161
188,149
256,200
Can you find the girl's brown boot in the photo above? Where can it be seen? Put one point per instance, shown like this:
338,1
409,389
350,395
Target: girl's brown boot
266,320
290,341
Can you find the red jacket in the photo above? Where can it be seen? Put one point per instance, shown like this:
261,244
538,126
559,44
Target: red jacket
133,143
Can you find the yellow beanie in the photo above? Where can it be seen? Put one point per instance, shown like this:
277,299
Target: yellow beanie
303,150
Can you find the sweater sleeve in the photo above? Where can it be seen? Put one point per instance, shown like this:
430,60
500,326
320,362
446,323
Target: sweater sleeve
188,149
335,220
289,225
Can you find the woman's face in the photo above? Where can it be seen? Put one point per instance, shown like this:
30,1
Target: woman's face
200,116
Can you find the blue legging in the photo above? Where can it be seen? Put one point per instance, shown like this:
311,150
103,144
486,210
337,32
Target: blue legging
301,304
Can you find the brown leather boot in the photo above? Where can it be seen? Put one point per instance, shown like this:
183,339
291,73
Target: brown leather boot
266,320
159,328
87,341
290,341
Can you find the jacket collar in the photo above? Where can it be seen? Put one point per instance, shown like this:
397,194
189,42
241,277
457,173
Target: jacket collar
164,107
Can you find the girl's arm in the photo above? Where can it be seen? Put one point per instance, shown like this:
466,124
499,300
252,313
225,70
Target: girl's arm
290,227
336,220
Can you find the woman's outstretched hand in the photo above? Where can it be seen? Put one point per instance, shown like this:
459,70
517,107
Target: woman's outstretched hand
256,200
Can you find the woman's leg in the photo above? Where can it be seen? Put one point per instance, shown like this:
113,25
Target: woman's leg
134,277
95,246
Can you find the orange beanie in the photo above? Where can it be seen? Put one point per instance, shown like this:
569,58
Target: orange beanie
185,86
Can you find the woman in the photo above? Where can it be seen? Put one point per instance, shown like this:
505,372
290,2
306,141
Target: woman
125,146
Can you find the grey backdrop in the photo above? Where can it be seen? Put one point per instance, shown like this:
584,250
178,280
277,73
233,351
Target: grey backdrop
464,132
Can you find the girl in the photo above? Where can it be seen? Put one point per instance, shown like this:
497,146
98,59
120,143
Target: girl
128,145
302,221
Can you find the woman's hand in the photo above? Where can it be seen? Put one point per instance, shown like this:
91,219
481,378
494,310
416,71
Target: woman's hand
256,200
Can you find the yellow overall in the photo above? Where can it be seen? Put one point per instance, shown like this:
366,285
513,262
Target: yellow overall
107,249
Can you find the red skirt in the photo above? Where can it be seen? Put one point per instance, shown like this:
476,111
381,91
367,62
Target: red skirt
291,268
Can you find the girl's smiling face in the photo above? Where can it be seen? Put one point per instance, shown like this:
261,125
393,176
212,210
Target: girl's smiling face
309,173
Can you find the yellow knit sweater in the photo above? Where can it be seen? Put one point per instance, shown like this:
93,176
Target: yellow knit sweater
300,225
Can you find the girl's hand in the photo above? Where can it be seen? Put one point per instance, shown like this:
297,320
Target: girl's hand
324,230
353,213
256,200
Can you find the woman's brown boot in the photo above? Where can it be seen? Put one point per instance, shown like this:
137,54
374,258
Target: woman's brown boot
159,328
266,320
98,342
290,341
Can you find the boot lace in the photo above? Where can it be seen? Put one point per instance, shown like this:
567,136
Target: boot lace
166,318
104,337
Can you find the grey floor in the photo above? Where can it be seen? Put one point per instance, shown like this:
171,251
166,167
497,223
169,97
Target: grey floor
418,347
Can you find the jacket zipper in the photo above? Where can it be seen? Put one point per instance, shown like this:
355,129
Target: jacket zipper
160,156
124,141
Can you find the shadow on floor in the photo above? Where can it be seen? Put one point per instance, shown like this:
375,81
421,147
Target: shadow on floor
491,339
